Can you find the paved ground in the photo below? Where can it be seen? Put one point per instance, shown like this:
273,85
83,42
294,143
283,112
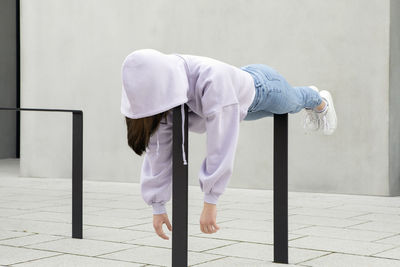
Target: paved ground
325,229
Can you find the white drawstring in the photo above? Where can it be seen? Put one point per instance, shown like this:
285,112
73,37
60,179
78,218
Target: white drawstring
158,144
183,133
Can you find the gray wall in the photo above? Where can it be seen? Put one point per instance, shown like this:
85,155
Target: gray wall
72,53
7,78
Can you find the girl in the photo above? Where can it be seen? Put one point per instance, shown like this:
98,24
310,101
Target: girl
219,97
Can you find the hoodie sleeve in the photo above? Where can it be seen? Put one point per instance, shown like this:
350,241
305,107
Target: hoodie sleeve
156,173
222,137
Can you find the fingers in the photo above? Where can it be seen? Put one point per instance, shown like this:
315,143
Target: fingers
168,224
209,228
160,232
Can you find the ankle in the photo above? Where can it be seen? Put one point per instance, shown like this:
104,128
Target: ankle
322,107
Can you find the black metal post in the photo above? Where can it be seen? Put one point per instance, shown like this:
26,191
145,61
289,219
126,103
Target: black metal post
179,190
281,188
77,163
77,181
18,78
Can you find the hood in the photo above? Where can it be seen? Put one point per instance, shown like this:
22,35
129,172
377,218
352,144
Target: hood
153,82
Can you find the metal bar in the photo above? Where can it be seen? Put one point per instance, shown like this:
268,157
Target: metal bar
77,181
40,109
281,188
77,164
179,191
18,76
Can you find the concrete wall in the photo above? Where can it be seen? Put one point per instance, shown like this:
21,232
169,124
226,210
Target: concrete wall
8,91
72,53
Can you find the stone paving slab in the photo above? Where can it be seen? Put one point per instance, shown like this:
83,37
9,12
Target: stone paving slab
393,239
369,208
77,261
196,244
386,227
25,205
323,221
4,235
262,237
158,256
391,253
84,247
68,208
241,262
29,240
324,229
342,233
45,216
264,252
340,214
245,214
51,228
13,255
339,245
193,229
257,225
381,217
345,260
114,235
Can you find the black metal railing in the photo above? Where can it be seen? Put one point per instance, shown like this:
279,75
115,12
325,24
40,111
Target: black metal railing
77,166
180,184
180,190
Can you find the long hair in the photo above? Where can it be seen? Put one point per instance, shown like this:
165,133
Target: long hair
140,130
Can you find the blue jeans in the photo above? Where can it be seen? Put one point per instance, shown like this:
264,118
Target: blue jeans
274,95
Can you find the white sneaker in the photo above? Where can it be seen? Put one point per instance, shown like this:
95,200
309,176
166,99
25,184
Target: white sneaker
311,120
327,119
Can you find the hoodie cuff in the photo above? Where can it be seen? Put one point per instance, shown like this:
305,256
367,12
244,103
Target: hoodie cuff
159,208
211,198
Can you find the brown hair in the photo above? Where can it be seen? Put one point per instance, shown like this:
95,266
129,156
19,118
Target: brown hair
140,130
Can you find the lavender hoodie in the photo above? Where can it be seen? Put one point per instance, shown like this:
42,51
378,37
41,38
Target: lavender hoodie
218,96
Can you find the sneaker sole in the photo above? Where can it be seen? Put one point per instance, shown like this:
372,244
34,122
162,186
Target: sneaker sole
331,106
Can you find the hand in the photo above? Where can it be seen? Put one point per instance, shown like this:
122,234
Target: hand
208,222
158,221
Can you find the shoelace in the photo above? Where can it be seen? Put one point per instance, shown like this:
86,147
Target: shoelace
310,119
325,123
317,118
